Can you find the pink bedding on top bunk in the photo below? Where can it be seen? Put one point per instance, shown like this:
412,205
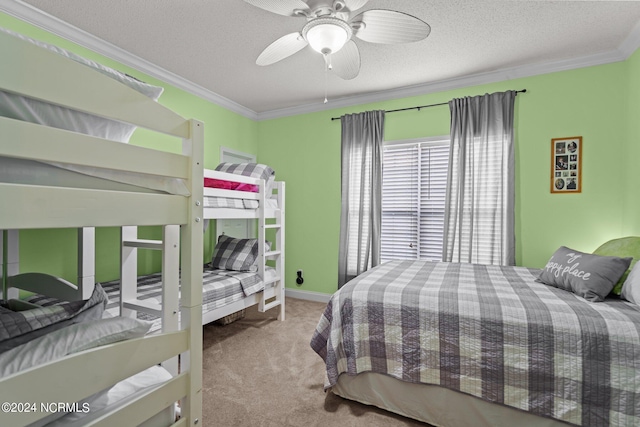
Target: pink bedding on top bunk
230,185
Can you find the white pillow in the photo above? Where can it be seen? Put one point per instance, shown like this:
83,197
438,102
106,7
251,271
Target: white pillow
72,339
631,286
146,89
118,395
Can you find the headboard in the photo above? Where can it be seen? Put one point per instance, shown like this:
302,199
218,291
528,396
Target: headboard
622,247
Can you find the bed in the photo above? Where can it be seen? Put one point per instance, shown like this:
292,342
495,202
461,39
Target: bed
463,344
238,275
56,177
250,191
232,191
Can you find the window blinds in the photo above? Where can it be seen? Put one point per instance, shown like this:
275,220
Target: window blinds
414,182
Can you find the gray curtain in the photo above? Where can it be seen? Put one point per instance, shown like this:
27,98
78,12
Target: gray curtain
479,209
360,219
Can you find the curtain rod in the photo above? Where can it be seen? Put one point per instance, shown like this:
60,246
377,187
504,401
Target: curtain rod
423,106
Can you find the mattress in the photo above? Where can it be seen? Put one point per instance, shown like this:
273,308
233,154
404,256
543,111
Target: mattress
219,288
118,396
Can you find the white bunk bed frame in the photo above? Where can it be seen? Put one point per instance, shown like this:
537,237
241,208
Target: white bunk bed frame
269,218
31,71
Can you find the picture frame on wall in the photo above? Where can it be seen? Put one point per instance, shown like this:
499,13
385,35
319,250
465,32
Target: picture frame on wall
566,165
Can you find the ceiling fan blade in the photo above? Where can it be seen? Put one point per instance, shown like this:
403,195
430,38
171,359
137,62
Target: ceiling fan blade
283,47
281,7
354,5
346,61
389,27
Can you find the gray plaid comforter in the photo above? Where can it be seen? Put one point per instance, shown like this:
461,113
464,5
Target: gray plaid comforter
219,288
14,324
491,332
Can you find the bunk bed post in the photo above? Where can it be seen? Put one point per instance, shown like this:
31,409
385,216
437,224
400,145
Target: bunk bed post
191,272
128,269
86,262
277,253
171,288
261,228
280,218
12,262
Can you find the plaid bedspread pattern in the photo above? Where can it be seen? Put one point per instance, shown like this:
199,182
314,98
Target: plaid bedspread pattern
491,332
219,288
254,170
16,323
223,202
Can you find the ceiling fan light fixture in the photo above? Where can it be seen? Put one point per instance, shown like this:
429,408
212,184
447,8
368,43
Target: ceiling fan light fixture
327,35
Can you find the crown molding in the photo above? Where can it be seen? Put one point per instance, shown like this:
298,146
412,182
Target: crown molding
43,20
631,43
65,30
455,83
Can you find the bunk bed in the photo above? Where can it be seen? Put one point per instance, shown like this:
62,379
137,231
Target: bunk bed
226,292
266,204
64,178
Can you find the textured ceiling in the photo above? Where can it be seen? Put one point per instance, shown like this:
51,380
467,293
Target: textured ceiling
215,43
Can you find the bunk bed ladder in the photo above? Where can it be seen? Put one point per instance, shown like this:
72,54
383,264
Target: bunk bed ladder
129,302
276,253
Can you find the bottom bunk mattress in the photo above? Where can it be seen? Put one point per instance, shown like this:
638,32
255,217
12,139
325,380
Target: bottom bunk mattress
219,288
44,334
491,332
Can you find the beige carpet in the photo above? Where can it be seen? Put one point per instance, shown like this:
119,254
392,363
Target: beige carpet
261,372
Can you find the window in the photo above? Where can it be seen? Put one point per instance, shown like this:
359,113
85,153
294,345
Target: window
414,182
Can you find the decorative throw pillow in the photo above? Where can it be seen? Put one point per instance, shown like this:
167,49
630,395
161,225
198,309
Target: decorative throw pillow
590,276
631,287
236,254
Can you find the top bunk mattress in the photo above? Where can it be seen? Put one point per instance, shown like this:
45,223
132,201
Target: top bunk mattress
18,107
252,170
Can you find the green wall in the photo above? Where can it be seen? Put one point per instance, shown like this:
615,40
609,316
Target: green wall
629,170
54,251
589,102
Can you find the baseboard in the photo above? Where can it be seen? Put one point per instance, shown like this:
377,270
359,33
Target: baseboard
307,295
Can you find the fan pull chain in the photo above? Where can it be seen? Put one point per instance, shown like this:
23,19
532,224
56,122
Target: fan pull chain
326,76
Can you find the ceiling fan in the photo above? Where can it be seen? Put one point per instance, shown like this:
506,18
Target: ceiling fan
330,27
